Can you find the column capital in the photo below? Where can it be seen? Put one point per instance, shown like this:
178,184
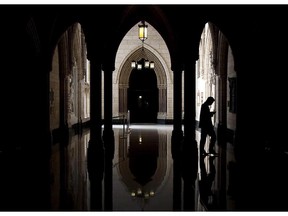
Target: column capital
108,67
189,65
177,68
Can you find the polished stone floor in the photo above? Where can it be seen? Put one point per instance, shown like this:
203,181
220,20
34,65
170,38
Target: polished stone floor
144,175
144,172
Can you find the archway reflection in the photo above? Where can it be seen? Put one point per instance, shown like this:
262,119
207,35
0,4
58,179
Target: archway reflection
142,175
144,167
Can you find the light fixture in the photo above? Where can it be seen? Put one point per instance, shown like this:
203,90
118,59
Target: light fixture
142,31
139,66
140,193
133,64
143,63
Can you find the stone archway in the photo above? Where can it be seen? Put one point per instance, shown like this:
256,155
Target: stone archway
160,76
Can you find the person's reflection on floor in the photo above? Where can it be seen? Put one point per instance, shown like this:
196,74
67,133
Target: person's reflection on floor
208,172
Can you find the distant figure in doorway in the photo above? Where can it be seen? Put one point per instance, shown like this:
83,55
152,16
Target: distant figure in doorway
207,128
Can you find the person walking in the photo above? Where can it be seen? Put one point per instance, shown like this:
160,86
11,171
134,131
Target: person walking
207,128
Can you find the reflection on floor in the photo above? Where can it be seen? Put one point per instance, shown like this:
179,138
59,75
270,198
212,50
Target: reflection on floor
143,170
144,176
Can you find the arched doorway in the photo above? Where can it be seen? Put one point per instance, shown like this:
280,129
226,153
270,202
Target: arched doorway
143,96
155,50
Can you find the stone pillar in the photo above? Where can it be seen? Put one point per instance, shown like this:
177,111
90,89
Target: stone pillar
221,100
108,133
162,99
63,68
108,137
189,102
95,155
190,143
95,100
190,151
123,99
177,133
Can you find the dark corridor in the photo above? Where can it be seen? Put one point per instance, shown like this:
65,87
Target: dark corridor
143,96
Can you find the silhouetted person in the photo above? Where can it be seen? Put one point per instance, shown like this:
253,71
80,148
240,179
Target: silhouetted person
207,128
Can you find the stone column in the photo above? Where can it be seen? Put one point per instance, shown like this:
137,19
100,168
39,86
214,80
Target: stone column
221,109
123,99
95,156
189,102
162,100
190,151
108,137
177,133
108,133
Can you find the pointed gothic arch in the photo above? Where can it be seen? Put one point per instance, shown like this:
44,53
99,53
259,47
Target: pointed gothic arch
125,72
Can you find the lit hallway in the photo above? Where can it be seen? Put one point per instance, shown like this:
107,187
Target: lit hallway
70,67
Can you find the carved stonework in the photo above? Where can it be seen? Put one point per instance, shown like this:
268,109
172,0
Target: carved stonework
232,94
213,61
212,80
